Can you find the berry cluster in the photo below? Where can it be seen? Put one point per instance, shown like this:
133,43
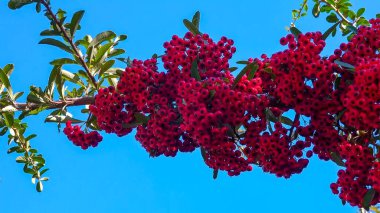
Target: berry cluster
353,181
110,113
362,99
237,122
80,138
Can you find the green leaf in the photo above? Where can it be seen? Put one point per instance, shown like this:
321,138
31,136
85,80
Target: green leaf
13,149
74,24
39,159
90,53
122,37
252,72
21,159
337,159
30,137
360,12
194,70
61,14
231,69
196,19
215,174
191,27
28,170
56,43
367,199
243,62
329,31
38,7
43,171
352,29
106,66
33,151
350,67
351,14
378,15
5,81
101,37
141,118
286,120
333,33
44,179
32,98
39,186
115,52
244,71
50,33
270,116
296,32
337,83
51,83
18,95
16,4
61,119
316,10
62,61
204,154
74,78
340,114
8,69
3,131
326,9
295,14
102,53
332,18
8,118
362,21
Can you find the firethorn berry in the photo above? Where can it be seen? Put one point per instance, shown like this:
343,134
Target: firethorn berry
353,182
198,103
109,110
80,138
362,99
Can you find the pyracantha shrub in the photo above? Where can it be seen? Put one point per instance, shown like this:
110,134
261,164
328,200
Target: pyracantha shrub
241,121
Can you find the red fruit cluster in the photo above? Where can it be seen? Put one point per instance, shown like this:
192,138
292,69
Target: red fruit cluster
274,152
353,181
211,120
109,111
80,138
299,79
362,99
361,96
237,122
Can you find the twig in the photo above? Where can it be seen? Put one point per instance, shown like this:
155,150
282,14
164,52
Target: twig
338,12
68,38
300,12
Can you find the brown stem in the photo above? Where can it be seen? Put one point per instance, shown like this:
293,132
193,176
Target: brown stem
68,38
56,104
338,12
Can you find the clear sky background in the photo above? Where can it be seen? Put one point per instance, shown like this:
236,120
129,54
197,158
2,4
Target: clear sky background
119,176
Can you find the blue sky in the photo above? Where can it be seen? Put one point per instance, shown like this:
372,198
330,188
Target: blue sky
119,176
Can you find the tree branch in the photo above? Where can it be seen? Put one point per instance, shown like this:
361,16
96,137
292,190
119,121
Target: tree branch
77,52
56,104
